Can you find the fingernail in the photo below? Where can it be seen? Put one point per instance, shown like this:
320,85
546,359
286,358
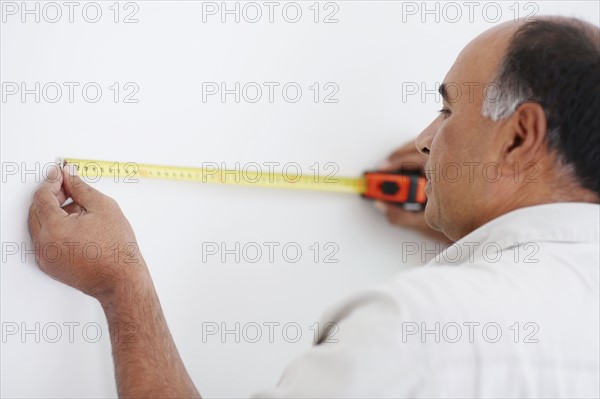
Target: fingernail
380,206
71,169
385,164
52,174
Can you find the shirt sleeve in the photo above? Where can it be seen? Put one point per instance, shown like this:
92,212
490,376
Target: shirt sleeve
357,357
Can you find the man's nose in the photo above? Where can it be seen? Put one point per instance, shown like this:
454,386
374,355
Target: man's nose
424,139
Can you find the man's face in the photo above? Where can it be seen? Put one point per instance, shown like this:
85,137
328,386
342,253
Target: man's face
462,152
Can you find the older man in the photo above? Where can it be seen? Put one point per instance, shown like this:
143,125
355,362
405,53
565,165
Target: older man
511,309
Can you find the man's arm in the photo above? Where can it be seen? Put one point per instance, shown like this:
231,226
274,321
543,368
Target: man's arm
147,363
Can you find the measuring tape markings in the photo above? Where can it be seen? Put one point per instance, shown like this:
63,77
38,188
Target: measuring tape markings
130,170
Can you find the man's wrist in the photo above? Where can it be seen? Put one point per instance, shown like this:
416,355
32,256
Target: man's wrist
132,287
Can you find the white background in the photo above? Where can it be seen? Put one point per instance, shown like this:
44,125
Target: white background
374,52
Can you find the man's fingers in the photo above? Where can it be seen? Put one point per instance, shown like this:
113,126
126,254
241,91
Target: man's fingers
81,192
406,157
413,159
402,217
54,182
398,216
408,161
409,219
48,198
407,148
33,223
71,208
381,206
47,206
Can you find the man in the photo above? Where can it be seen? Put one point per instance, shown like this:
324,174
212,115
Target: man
509,310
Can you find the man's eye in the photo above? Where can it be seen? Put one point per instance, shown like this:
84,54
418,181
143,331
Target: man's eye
445,111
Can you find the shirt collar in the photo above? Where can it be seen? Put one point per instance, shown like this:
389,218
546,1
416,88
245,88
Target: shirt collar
556,222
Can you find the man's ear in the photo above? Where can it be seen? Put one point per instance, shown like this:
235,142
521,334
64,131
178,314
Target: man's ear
526,132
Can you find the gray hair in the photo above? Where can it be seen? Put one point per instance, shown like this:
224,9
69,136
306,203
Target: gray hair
505,94
509,90
554,62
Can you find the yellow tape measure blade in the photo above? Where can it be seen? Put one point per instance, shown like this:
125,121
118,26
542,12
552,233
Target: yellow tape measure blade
131,171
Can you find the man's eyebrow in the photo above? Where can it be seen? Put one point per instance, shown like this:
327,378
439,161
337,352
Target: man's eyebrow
444,92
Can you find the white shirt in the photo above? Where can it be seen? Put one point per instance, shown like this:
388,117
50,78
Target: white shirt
513,320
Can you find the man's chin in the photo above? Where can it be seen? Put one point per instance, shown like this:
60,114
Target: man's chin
431,216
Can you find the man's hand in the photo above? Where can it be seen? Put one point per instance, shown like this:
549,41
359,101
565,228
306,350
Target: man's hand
88,244
407,157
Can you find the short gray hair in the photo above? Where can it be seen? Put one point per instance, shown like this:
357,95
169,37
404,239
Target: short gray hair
505,94
554,62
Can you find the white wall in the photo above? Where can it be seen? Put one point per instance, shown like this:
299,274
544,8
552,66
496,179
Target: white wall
373,53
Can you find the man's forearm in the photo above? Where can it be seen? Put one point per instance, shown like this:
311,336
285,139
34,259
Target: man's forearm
147,363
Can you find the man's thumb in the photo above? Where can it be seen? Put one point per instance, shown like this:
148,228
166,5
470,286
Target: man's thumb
81,192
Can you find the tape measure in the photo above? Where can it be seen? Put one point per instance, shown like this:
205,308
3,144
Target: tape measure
404,187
